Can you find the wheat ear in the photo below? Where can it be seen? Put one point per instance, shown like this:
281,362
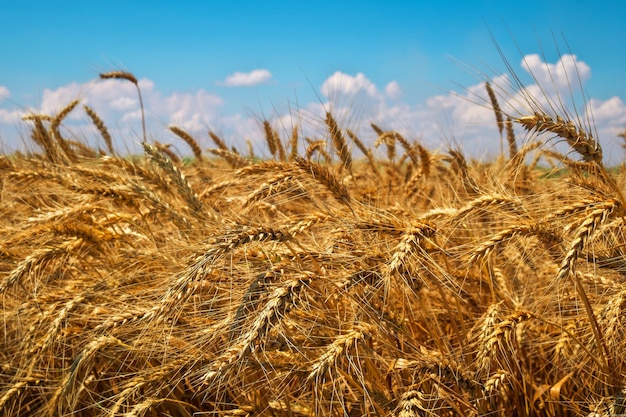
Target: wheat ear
318,146
16,388
412,238
596,218
593,220
55,129
581,141
83,362
293,143
217,140
510,138
177,177
183,287
233,158
42,137
410,150
125,75
193,144
337,348
270,138
389,139
279,303
366,151
496,109
497,337
326,178
412,404
339,142
99,124
165,148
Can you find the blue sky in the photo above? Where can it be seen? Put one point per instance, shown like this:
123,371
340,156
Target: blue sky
224,65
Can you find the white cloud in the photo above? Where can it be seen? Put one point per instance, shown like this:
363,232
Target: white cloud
393,90
609,119
248,79
10,117
4,93
467,117
344,84
565,73
562,79
116,103
124,103
355,101
612,109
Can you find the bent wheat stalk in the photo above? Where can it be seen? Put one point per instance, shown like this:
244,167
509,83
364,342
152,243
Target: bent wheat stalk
594,220
581,141
125,75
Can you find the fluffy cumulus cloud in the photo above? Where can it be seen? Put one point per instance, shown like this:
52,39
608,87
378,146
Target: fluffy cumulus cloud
344,84
7,116
608,118
4,93
466,118
356,102
10,117
393,90
116,103
248,79
447,120
568,72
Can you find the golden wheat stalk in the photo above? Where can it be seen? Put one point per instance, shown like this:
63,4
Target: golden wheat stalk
270,137
83,363
412,238
293,143
581,141
99,124
182,184
218,141
36,261
326,178
193,144
410,150
52,332
16,388
611,316
495,336
389,139
165,148
510,138
365,150
282,156
279,303
596,217
484,249
55,129
260,285
234,159
413,404
41,137
339,347
272,186
125,75
318,146
119,75
183,287
339,142
497,110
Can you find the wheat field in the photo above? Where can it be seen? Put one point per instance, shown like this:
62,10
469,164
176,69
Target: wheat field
332,279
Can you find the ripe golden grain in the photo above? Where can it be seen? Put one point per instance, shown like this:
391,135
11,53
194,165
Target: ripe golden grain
195,148
420,284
